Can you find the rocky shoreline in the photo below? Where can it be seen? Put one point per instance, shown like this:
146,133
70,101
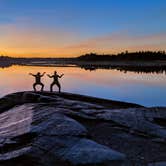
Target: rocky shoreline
46,129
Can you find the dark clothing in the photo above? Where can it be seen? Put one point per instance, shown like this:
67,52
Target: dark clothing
55,82
38,79
55,77
35,84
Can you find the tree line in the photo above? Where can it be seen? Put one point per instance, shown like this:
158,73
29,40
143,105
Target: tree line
123,56
126,56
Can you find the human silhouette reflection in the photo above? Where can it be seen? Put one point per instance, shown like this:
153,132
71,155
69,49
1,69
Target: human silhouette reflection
37,80
55,77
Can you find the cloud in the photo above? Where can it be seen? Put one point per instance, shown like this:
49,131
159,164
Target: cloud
122,41
25,38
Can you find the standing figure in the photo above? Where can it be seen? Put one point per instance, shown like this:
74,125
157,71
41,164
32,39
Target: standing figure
55,77
38,80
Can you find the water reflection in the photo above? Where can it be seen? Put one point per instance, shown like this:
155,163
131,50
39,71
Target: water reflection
125,69
92,67
142,88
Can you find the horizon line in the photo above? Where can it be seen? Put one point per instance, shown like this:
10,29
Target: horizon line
111,54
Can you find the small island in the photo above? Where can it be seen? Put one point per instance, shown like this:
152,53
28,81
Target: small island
64,129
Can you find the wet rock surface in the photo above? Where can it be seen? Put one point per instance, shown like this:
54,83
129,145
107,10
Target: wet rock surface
47,129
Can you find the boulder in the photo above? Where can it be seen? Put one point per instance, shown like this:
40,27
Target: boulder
46,129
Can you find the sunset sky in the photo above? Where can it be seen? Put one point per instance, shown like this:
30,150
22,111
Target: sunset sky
65,28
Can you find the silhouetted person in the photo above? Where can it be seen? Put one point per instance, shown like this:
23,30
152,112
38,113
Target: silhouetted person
55,77
38,80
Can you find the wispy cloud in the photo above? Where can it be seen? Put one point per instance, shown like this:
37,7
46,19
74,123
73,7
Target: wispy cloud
122,41
25,38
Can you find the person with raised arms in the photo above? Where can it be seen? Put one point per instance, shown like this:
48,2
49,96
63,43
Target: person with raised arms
38,80
55,77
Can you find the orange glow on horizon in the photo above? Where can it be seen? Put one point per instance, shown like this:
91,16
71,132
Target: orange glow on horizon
47,54
16,42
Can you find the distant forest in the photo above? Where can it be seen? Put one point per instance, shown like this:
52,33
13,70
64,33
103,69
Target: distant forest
142,61
126,56
123,56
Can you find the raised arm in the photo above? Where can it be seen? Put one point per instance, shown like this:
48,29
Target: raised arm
49,76
60,75
43,74
32,74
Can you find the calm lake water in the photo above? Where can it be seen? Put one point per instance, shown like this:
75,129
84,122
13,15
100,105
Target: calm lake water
146,88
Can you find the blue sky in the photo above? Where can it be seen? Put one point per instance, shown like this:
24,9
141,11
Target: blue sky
73,27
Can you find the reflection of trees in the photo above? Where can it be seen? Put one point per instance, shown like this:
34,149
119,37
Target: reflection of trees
5,61
157,70
5,65
140,62
136,69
